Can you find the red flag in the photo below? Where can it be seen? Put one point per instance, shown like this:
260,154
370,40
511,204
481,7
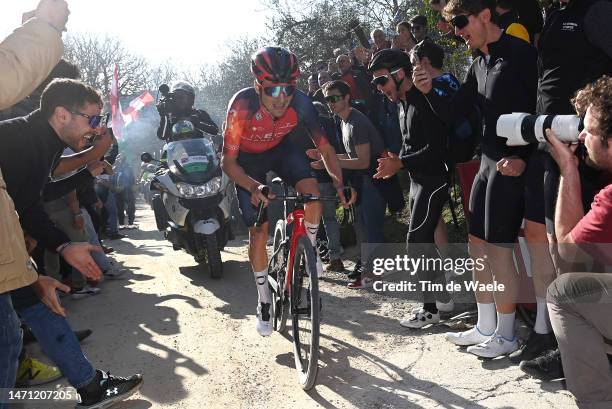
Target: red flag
131,113
117,119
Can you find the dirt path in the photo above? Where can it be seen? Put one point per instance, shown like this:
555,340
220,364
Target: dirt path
194,340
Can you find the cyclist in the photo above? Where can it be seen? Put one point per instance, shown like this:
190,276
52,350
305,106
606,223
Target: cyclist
264,126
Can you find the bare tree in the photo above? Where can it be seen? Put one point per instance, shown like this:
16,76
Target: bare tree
96,57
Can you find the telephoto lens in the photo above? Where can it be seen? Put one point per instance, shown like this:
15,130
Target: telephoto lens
522,129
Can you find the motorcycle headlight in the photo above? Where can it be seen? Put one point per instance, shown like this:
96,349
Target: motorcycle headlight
212,187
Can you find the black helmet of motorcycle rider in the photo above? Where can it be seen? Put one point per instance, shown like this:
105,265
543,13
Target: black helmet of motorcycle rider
183,130
184,95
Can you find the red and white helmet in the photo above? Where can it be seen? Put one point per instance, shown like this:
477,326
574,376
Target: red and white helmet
275,64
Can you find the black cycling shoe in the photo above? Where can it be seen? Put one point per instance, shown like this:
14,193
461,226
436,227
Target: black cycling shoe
105,390
536,346
545,368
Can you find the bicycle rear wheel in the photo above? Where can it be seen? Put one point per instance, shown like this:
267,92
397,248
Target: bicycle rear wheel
305,313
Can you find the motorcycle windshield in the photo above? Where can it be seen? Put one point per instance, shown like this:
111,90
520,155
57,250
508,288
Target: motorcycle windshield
193,160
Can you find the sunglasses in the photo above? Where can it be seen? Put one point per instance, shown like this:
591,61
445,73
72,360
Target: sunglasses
460,21
94,120
333,98
383,79
276,91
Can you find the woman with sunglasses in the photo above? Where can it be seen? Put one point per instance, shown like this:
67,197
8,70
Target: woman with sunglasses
265,124
502,79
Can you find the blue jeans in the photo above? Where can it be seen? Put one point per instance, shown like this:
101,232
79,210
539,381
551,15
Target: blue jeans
10,343
371,213
108,198
59,343
100,258
332,228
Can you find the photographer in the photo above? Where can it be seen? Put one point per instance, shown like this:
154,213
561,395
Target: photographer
580,304
177,105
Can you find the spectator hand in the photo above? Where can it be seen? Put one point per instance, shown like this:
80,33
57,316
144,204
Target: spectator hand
421,79
562,153
95,168
45,288
54,12
103,141
318,164
388,166
511,166
78,256
314,154
347,203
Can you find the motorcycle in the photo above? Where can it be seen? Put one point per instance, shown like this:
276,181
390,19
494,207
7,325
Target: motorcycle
192,200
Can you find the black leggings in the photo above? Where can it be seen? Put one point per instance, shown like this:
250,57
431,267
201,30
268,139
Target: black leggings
428,194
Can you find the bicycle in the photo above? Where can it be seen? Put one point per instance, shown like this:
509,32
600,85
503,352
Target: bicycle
293,281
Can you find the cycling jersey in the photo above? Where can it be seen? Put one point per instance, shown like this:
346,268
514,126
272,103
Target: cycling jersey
252,129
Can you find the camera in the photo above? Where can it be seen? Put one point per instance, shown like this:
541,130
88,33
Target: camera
167,103
522,129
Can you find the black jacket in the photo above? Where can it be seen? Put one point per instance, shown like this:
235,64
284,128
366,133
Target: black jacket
505,84
29,150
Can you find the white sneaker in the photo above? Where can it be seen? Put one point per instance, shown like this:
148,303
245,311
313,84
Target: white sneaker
493,347
445,306
420,318
465,338
264,324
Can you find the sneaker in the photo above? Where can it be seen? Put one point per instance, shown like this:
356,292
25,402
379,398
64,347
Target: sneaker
466,338
536,345
106,390
445,306
362,282
132,226
335,266
545,368
107,249
493,347
420,318
79,293
114,272
116,236
264,325
32,372
356,273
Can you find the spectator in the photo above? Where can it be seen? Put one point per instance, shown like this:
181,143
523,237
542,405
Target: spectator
363,145
580,304
361,95
559,80
379,38
313,85
423,155
26,58
124,182
497,199
324,78
418,27
405,40
332,68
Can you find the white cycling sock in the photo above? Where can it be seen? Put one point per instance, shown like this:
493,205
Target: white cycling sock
486,318
311,231
542,324
505,325
263,290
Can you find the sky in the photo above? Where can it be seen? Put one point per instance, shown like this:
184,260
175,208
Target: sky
189,33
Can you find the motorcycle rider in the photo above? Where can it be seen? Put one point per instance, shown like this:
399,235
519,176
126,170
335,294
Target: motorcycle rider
181,107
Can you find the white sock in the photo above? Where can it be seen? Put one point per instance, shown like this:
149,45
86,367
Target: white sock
311,231
505,325
486,318
263,290
542,324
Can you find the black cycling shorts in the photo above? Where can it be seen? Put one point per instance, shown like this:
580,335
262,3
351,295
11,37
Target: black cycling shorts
496,204
287,159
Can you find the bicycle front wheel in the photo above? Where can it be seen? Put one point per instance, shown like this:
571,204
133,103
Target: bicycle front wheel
305,313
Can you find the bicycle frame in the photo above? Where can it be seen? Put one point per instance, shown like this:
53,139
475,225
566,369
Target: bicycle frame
299,229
